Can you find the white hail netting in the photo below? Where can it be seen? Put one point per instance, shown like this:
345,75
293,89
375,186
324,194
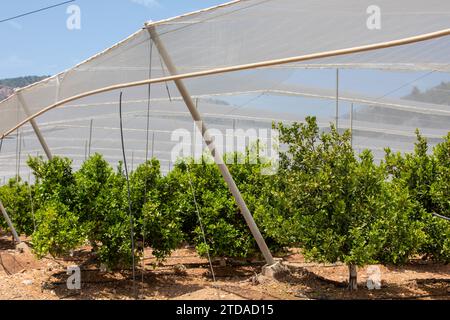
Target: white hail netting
234,34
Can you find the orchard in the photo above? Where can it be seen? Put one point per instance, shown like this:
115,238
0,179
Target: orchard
334,205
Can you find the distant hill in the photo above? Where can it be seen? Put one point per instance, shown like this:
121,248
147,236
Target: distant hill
21,81
5,92
7,86
438,95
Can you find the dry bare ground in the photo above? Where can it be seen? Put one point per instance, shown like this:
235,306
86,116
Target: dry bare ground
185,276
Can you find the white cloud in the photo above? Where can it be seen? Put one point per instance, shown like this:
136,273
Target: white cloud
147,3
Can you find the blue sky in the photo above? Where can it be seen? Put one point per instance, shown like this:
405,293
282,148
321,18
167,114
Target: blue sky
41,44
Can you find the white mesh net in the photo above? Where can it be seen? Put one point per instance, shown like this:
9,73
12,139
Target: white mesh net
234,34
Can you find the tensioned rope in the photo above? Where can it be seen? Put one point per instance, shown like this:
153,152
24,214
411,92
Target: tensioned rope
262,64
36,11
129,194
164,75
197,209
149,95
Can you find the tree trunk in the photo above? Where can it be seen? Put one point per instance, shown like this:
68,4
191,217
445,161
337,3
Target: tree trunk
353,277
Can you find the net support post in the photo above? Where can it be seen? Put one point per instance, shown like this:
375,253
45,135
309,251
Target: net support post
337,100
36,129
9,222
211,145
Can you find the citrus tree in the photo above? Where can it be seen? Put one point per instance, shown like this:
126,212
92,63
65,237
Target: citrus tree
424,176
344,208
201,198
158,225
18,199
225,231
58,229
440,187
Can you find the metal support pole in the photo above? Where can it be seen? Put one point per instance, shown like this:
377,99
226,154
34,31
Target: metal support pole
36,129
211,145
90,137
153,144
8,221
85,150
19,154
5,214
351,124
337,99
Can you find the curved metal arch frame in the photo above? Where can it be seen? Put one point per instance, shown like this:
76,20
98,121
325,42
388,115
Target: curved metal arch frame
257,65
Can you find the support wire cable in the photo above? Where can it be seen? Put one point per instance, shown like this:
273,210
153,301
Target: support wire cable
149,95
197,208
36,11
129,194
164,75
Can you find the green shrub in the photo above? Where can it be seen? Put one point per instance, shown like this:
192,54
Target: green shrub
345,209
91,183
58,230
55,180
161,227
226,233
18,199
424,176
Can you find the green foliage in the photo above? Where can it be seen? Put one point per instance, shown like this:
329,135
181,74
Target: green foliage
17,197
55,180
345,209
334,205
425,177
161,227
58,230
91,181
144,183
225,230
157,224
112,233
440,187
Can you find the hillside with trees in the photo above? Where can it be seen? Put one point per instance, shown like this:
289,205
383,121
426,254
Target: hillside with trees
7,86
